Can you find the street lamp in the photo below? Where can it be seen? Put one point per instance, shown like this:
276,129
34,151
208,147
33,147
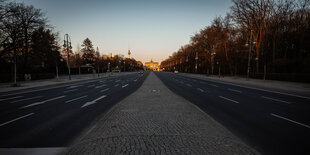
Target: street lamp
67,44
196,58
249,57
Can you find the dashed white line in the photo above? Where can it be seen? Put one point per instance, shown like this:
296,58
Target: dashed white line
269,98
189,85
91,86
104,90
213,85
100,86
116,85
228,99
75,86
200,89
117,80
16,119
10,98
70,90
234,90
25,99
94,101
135,80
76,99
304,125
124,85
38,103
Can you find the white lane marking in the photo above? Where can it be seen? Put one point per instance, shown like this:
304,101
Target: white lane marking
135,80
238,91
75,86
25,99
92,102
70,90
10,98
273,99
117,80
13,120
100,86
189,85
200,89
260,89
91,86
38,103
228,99
76,99
124,85
304,125
116,85
104,90
213,85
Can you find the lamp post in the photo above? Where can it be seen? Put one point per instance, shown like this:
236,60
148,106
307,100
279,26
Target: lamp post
196,58
249,57
67,44
212,61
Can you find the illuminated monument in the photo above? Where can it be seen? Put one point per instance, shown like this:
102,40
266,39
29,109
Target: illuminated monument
152,65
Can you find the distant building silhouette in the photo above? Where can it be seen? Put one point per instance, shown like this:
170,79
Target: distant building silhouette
152,65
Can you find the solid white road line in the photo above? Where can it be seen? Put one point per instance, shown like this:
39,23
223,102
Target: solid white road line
304,125
10,98
94,101
234,90
25,99
213,85
8,122
76,99
117,80
91,86
70,90
200,89
104,90
100,86
269,98
189,85
38,103
124,85
228,99
116,85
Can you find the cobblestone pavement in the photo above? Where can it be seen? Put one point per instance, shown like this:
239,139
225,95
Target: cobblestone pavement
154,120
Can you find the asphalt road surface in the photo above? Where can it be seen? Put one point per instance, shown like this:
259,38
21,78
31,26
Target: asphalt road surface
272,122
55,115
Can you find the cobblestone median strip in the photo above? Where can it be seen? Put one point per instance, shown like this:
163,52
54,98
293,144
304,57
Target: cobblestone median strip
157,122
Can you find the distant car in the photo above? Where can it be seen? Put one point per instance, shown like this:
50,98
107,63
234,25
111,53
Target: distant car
140,72
176,72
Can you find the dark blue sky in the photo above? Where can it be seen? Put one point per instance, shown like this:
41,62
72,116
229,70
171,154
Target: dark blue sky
154,29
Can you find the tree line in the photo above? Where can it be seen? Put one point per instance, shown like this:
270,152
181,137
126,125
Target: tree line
29,45
257,38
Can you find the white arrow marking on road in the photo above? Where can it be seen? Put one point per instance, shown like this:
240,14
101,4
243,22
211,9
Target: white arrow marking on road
25,99
10,98
228,99
124,85
307,126
135,80
76,99
200,89
15,119
74,86
94,101
38,103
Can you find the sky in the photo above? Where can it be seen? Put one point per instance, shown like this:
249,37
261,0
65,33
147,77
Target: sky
152,29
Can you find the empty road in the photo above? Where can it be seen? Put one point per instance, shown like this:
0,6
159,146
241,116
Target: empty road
272,122
53,116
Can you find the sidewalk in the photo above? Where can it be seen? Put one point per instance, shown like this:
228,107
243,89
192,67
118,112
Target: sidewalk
6,87
286,86
154,120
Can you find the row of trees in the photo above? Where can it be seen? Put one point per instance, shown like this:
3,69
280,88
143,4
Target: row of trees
28,45
268,37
